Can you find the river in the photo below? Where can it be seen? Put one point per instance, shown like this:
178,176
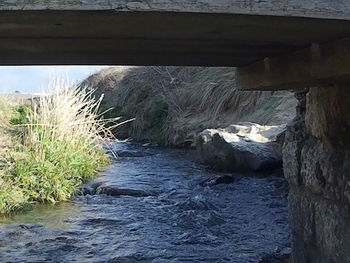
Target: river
155,205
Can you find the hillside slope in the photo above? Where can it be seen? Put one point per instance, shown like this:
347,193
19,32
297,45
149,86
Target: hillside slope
172,104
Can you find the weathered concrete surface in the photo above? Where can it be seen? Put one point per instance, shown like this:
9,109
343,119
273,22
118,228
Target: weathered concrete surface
164,32
339,9
316,159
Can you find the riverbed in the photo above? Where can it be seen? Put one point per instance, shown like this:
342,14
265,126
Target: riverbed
156,205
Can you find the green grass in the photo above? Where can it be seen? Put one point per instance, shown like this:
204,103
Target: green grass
20,115
56,147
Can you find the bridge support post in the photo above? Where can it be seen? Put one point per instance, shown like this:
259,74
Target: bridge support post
316,157
316,151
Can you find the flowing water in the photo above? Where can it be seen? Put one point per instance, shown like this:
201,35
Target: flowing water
158,206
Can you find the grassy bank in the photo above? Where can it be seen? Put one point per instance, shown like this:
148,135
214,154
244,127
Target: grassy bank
50,148
172,104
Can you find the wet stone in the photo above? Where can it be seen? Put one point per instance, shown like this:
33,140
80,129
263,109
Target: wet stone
277,256
115,191
225,179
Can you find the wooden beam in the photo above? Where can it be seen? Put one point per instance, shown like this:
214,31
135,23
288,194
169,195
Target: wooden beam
325,64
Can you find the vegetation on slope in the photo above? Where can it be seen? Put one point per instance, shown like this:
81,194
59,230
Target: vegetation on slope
51,148
172,104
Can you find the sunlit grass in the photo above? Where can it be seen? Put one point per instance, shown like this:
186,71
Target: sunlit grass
58,147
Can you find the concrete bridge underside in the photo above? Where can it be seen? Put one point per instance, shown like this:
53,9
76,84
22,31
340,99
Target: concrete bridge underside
267,40
107,37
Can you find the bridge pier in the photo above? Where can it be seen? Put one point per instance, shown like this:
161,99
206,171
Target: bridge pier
316,152
316,157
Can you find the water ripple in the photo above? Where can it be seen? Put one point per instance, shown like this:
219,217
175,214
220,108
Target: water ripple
186,218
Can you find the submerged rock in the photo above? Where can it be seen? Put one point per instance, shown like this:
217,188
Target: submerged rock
222,179
277,256
112,190
242,147
115,191
225,179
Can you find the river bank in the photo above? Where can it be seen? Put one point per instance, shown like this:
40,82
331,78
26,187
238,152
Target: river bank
49,147
170,106
197,107
185,217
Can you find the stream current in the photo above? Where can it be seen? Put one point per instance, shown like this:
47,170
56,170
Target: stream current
155,206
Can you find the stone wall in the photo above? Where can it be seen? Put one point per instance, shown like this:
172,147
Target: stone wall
316,159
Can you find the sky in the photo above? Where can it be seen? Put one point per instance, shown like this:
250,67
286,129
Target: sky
34,79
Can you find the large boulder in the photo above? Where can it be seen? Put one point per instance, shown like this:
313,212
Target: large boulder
242,147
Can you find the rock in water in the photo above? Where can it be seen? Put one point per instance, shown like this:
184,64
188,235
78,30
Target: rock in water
110,189
113,190
241,147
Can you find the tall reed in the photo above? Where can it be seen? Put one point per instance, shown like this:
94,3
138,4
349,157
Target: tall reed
60,147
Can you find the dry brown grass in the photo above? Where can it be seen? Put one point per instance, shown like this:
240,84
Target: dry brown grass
192,98
6,141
